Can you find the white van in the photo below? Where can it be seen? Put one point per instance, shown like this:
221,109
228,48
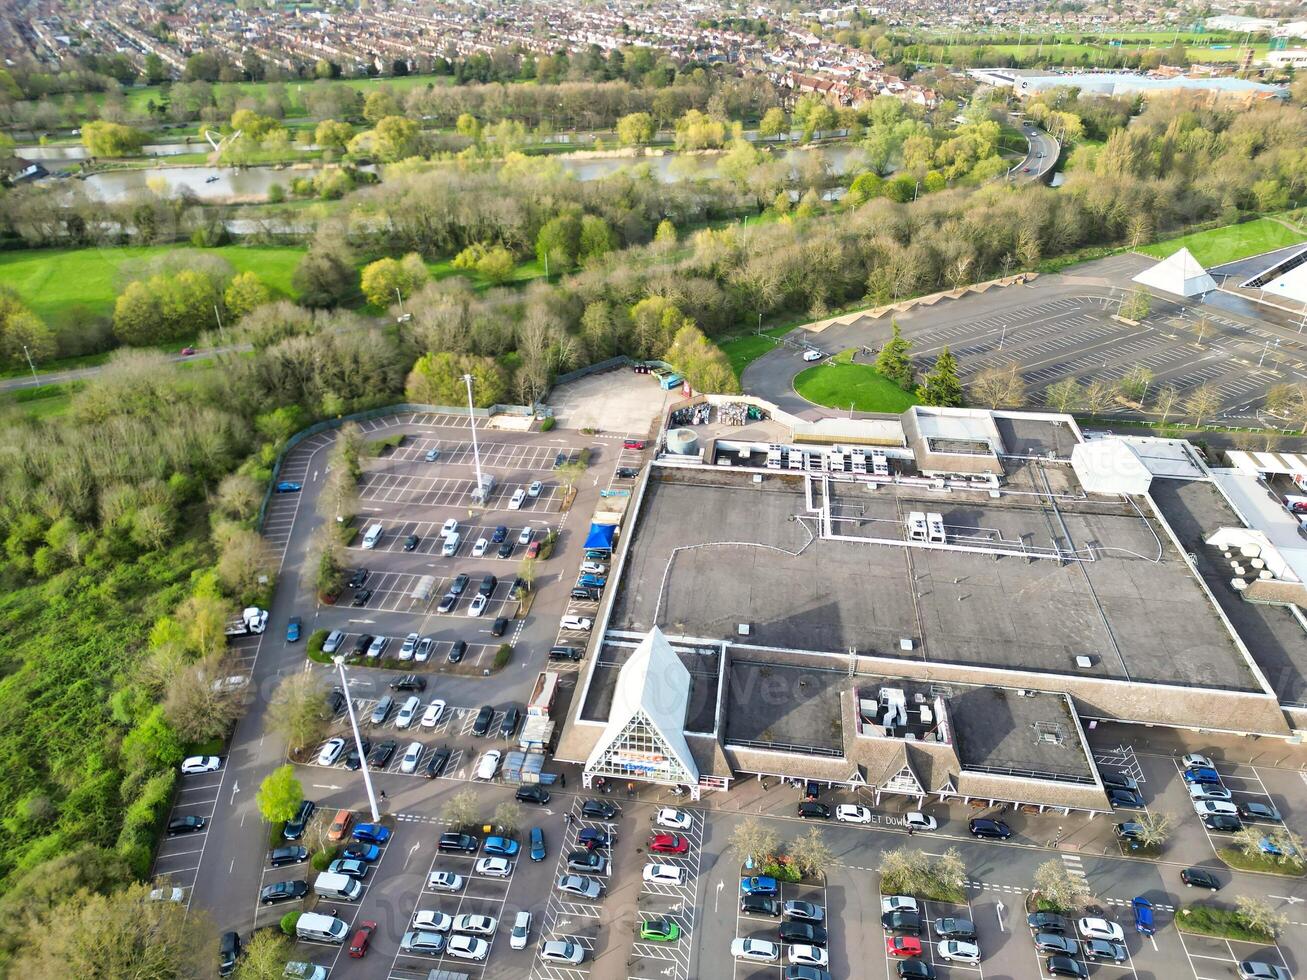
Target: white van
321,928
451,544
373,535
337,886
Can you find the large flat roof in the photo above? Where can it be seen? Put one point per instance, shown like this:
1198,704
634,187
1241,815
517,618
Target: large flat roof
1135,610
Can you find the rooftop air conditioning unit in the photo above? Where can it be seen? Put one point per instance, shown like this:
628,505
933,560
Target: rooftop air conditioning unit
743,629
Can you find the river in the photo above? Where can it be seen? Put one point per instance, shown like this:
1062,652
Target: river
73,152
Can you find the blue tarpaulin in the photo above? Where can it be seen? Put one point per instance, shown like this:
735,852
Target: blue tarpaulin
601,536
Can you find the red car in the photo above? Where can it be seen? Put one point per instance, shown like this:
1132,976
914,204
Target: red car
358,946
902,946
533,549
188,351
633,444
668,844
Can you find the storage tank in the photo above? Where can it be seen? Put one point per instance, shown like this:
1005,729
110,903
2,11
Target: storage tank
682,442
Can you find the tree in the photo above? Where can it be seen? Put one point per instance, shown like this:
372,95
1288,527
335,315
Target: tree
1137,305
244,293
1202,403
325,276
394,138
199,704
558,243
461,810
245,564
950,871
665,234
1154,828
155,72
437,379
496,265
264,956
379,104
754,841
1258,916
1064,395
205,617
332,135
386,280
773,123
895,359
1099,396
1133,386
279,795
635,129
942,386
702,363
812,854
1282,400
1059,886
21,328
999,386
1165,401
108,139
526,571
905,871
508,817
596,238
299,711
121,935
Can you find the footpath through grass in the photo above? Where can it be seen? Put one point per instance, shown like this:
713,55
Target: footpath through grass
839,383
1219,245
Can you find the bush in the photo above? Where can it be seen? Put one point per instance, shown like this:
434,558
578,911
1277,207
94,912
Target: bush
316,640
288,922
547,545
547,424
378,447
781,870
1264,863
583,457
1211,920
503,655
324,857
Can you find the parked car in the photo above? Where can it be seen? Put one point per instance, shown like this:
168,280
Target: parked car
587,862
349,867
952,927
500,534
378,646
289,854
358,944
564,653
908,923
759,885
409,646
480,547
579,624
1102,949
659,930
755,950
599,810
185,825
1094,927
500,846
431,716
361,597
668,874
330,752
382,709
561,951
411,542
283,891
361,852
481,725
432,455
989,829
380,757
289,486
795,931
533,490
467,948
804,911
371,833
488,765
333,641
229,951
408,713
760,905
533,793
494,867
408,763
436,764
1208,791
499,627
852,813
1119,780
1049,922
1052,942
358,578
508,724
1195,760
668,844
579,885
1124,798
1207,808
919,822
592,838
1202,774
444,881
1065,966
1258,970
1223,823
198,764
958,951
1253,810
422,652
478,606
517,939
457,651
420,943
812,810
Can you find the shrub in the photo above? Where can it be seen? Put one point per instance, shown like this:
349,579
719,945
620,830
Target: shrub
781,869
288,922
324,857
547,424
316,640
503,655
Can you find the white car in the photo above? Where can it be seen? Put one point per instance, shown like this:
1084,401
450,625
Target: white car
578,623
408,712
478,606
238,682
431,717
197,764
475,925
524,536
449,527
802,954
168,895
813,355
410,645
412,755
489,765
517,500
480,547
898,903
422,653
919,821
467,948
958,951
426,920
444,881
1208,808
666,873
331,751
1096,928
852,813
756,950
561,951
521,934
1205,791
494,867
593,568
675,819
534,489
1193,760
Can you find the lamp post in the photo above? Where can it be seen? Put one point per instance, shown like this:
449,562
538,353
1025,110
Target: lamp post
358,739
472,422
37,381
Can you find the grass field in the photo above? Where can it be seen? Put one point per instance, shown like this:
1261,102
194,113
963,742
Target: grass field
743,351
839,383
1229,243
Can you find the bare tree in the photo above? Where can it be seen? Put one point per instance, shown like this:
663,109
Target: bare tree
1167,398
200,703
1058,885
1064,395
811,853
1258,916
1154,828
238,496
245,563
1099,396
1201,326
999,386
1202,403
463,809
508,816
753,840
299,710
905,870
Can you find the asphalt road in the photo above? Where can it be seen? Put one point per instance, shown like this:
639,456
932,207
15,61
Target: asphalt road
81,374
1041,155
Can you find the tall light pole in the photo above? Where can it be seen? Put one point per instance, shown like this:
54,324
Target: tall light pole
358,739
37,381
472,422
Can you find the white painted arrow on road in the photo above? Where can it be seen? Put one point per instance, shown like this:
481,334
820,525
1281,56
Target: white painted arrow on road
235,788
327,786
1291,899
999,909
720,886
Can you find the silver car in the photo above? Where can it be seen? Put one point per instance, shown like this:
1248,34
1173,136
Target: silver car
579,885
333,641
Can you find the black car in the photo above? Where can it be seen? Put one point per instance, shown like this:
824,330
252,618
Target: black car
559,460
457,651
459,585
533,793
358,578
484,717
518,587
908,923
335,700
1065,966
499,627
411,542
1254,810
294,828
586,593
627,472
564,653
361,644
801,971
1053,942
802,932
283,891
409,682
447,603
599,810
505,550
761,905
811,810
381,755
354,761
291,854
436,764
1198,878
915,970
508,724
1048,922
1119,797
462,843
1223,822
487,585
229,951
361,597
953,928
185,825
989,829
1119,781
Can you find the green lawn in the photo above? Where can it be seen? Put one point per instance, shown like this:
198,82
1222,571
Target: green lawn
1264,863
841,384
1226,244
54,282
743,351
1206,919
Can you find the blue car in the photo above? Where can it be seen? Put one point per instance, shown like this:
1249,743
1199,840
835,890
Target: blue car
371,833
361,852
500,846
1270,847
759,885
1202,774
287,487
592,581
537,844
293,629
500,534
